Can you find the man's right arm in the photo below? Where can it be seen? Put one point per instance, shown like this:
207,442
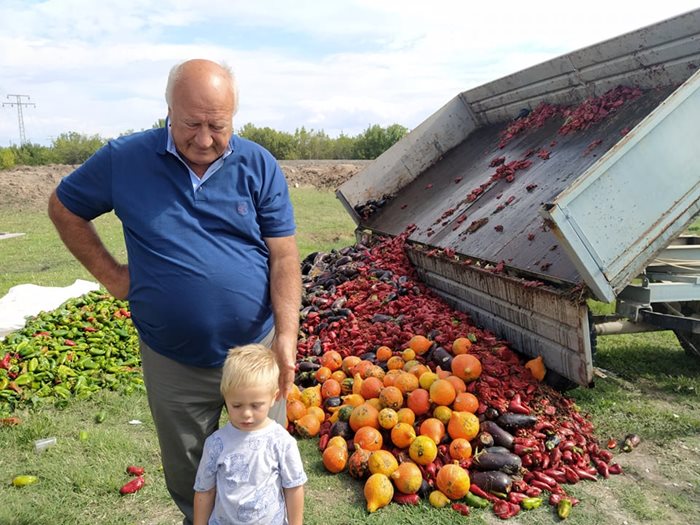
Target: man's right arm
81,239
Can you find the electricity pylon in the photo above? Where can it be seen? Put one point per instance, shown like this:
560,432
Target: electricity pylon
20,117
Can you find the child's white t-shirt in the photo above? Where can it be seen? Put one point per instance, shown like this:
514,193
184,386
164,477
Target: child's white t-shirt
249,471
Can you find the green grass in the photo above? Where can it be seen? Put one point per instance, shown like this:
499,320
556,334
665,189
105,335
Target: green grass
39,257
651,387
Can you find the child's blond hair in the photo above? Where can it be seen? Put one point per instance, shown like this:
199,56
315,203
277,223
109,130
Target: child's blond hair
250,365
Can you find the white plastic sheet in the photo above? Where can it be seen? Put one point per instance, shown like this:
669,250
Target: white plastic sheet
26,300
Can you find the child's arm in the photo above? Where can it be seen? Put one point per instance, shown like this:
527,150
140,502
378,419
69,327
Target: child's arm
203,505
294,500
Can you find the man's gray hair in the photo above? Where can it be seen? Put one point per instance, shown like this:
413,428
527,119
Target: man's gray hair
176,71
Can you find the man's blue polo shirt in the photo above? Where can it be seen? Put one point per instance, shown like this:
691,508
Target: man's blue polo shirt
198,263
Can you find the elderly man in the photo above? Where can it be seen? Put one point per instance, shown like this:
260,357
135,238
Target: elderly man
212,257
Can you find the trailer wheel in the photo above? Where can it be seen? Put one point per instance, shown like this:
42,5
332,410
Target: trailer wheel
689,341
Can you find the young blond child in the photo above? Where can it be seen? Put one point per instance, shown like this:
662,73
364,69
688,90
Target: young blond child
251,470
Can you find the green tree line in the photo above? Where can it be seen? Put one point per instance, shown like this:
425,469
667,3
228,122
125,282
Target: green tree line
75,148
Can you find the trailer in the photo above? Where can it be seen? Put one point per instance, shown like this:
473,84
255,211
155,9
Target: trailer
571,180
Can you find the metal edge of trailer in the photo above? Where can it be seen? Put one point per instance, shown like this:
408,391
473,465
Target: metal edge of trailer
630,204
409,157
536,321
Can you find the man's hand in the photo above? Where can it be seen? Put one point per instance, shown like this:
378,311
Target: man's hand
286,352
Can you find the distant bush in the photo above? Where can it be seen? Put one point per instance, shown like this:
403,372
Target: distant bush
375,140
76,148
7,158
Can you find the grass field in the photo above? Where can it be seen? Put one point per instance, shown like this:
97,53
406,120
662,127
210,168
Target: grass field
646,385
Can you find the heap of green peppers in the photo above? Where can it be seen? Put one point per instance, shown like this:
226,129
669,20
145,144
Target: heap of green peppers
87,344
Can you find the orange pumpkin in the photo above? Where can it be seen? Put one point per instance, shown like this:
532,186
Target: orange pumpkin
308,426
391,397
358,466
378,491
419,401
335,459
463,425
364,415
433,428
453,481
407,478
420,344
466,366
369,438
423,450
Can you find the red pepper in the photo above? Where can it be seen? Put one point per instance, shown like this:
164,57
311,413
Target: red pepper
69,342
533,492
135,471
544,478
462,508
5,363
572,476
517,497
615,468
603,468
475,489
406,499
584,474
542,485
323,441
132,486
605,455
505,509
554,499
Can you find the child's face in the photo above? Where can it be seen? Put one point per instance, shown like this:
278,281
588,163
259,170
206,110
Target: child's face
248,407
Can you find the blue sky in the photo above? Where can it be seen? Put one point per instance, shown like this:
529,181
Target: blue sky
338,66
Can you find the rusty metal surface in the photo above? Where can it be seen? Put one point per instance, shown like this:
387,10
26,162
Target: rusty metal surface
511,228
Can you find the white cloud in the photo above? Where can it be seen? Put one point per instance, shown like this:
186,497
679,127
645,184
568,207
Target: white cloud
101,67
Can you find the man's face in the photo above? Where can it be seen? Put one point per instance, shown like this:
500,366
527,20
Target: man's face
201,120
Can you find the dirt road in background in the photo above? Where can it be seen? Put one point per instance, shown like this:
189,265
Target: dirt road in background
28,187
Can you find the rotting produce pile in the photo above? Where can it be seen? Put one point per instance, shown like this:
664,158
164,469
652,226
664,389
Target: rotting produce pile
403,392
408,396
87,344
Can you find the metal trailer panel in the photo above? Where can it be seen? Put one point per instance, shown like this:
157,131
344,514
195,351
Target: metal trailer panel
536,321
408,158
630,204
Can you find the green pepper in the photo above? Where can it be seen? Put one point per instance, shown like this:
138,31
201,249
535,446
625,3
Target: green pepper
531,503
33,364
100,416
3,383
87,362
24,480
61,391
475,501
23,379
564,508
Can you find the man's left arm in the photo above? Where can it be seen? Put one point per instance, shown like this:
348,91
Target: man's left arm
285,294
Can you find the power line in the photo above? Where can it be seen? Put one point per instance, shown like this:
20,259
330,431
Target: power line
20,117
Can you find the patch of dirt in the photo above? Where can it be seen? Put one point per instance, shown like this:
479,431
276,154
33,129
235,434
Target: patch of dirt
29,187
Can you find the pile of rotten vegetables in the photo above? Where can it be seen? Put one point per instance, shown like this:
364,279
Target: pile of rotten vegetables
482,431
87,344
